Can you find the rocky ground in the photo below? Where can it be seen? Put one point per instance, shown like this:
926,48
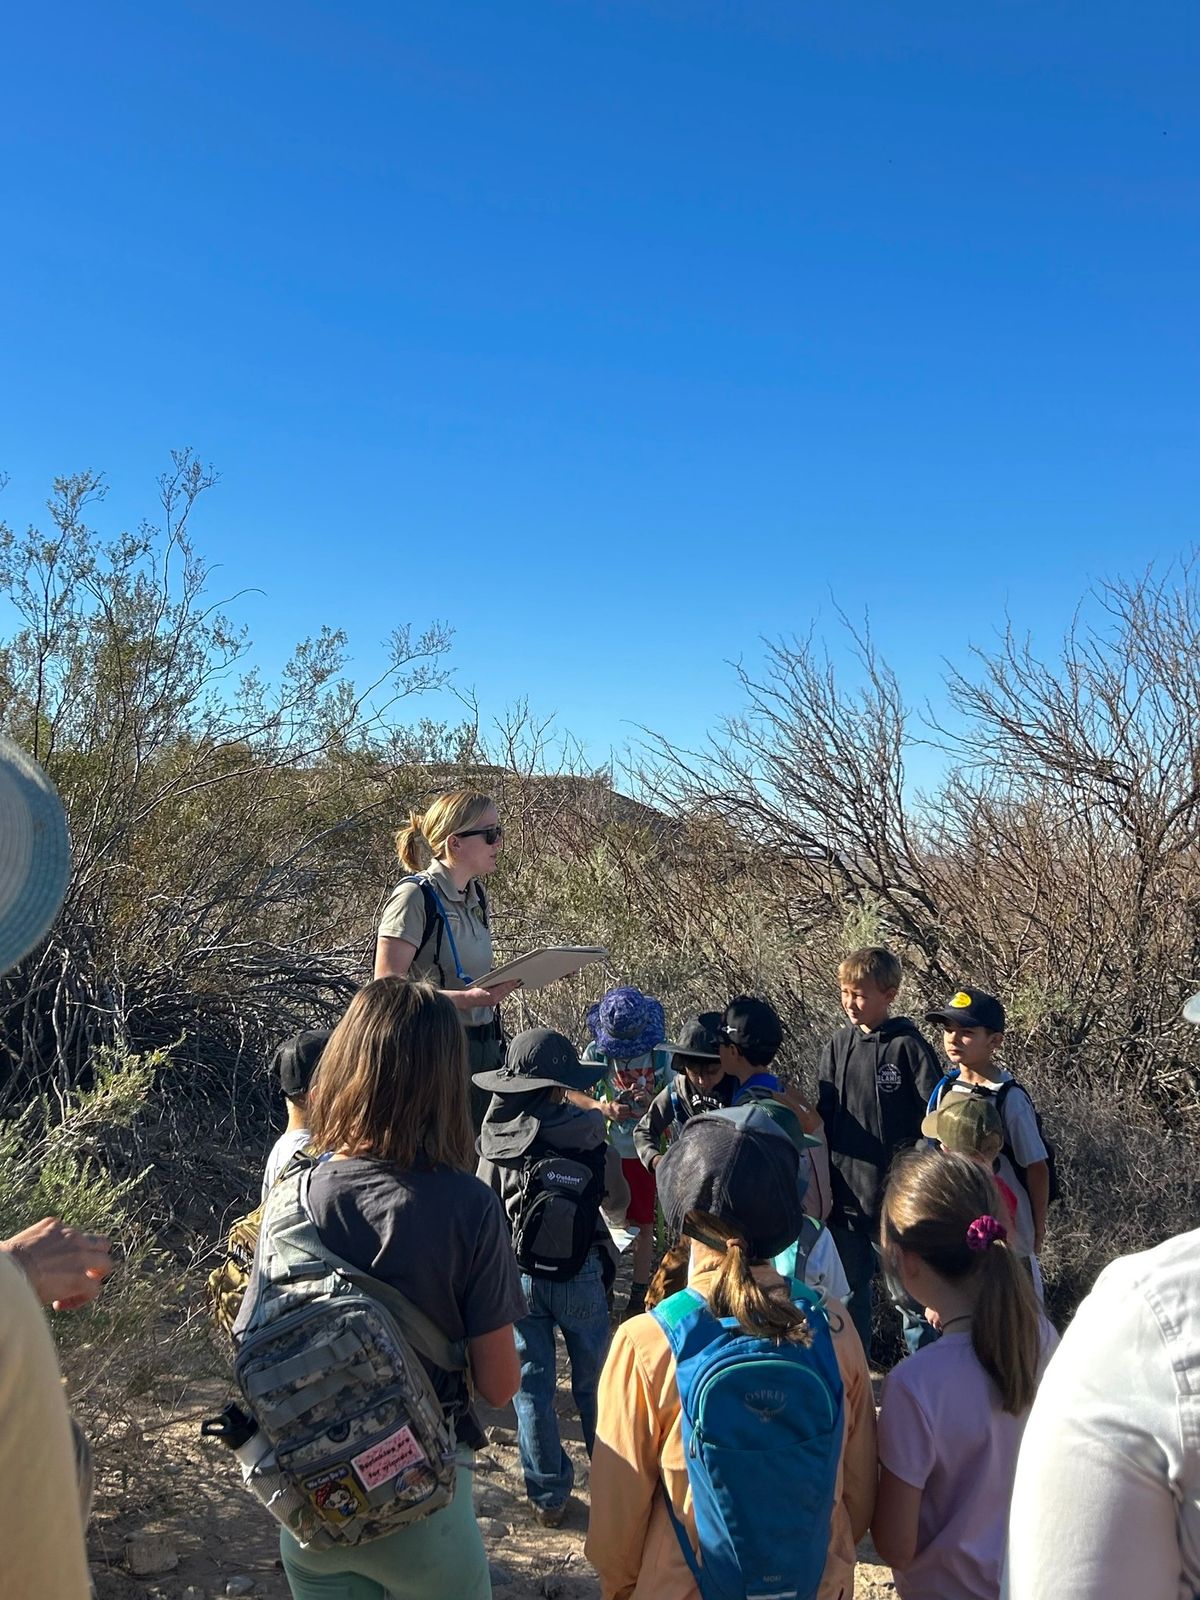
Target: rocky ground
195,1534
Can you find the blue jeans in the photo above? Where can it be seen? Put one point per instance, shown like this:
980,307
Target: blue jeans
578,1308
860,1258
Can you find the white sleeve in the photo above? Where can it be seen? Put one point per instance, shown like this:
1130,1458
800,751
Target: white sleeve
1093,1512
1020,1124
824,1270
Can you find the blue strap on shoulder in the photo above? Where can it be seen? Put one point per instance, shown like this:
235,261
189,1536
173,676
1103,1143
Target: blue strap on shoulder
689,1326
430,892
943,1083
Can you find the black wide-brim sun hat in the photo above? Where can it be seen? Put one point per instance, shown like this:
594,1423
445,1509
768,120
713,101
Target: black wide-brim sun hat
539,1058
745,1172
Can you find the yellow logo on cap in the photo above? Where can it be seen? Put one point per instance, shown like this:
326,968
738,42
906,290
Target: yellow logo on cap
960,1001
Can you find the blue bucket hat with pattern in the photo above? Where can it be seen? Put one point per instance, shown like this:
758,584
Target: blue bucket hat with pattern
626,1023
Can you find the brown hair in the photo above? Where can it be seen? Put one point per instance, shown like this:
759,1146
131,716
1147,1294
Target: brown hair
874,962
438,823
932,1198
392,1081
735,1292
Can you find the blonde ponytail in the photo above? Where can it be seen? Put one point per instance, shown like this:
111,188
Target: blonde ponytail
444,816
410,856
1004,1328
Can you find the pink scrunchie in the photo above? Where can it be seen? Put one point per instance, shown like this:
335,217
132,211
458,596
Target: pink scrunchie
984,1231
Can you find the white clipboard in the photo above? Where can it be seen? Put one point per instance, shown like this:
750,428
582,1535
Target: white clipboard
545,966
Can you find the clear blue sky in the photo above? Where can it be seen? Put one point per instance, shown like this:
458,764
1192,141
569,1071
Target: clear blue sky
617,334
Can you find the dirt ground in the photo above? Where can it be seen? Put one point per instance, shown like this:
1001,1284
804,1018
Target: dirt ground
188,1492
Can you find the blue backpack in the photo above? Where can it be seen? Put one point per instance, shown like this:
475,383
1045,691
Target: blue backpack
762,1437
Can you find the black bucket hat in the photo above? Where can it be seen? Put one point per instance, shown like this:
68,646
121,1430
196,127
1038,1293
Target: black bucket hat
746,1173
539,1058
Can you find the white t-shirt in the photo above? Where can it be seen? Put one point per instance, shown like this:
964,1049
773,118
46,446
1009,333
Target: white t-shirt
824,1270
282,1151
1107,1495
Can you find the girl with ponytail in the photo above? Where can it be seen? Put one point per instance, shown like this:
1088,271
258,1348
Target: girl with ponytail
731,1198
952,1415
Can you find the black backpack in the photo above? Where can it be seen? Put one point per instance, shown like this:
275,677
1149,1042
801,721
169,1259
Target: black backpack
1051,1158
558,1212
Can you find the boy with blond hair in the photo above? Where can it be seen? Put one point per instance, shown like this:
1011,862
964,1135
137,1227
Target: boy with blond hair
875,1079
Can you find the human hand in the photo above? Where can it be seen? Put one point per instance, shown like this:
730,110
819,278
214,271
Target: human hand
469,999
808,1119
65,1267
618,1111
932,1318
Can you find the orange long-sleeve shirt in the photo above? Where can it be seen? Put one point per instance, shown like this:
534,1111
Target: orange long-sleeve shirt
639,1449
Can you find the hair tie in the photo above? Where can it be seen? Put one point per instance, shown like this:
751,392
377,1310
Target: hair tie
984,1231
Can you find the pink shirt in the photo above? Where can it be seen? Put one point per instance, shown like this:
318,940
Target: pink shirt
941,1430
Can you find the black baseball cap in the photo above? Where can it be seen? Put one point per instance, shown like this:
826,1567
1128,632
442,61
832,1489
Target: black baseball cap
746,1173
296,1060
539,1058
970,1008
752,1025
698,1037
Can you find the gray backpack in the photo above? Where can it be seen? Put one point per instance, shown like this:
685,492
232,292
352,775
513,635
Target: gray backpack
355,1442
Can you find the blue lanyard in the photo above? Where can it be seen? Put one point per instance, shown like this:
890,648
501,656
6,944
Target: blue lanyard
442,912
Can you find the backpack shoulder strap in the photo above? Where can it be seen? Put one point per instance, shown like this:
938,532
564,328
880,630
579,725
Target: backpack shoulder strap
483,900
939,1089
690,1328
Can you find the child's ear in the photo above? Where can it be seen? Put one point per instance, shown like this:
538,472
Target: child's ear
889,995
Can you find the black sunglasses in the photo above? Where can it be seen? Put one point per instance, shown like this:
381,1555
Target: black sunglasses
492,835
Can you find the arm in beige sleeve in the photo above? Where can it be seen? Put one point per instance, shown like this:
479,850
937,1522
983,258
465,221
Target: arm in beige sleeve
624,1470
40,1529
860,1457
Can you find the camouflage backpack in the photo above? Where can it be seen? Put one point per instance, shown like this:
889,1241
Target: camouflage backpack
358,1441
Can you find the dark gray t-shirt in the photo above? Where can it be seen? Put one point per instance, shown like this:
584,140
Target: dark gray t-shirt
439,1237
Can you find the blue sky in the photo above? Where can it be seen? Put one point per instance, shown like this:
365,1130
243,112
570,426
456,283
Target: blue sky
618,335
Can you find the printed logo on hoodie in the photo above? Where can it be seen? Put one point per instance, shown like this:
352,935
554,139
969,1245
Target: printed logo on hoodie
889,1077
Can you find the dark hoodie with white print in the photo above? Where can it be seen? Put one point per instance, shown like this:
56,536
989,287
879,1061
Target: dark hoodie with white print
873,1091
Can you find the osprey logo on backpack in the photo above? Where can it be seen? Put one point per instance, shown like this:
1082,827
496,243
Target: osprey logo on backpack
762,1437
555,1226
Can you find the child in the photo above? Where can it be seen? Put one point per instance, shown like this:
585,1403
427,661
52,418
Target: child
876,1076
626,1028
969,1125
749,1038
730,1195
973,1024
700,1083
528,1119
952,1415
294,1062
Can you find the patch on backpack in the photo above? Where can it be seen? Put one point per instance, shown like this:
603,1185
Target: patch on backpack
388,1459
336,1495
889,1077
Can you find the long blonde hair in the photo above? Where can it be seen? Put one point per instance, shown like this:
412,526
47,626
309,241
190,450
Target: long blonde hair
735,1291
392,1081
445,816
932,1199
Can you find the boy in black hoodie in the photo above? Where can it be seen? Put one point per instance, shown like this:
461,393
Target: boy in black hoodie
876,1077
